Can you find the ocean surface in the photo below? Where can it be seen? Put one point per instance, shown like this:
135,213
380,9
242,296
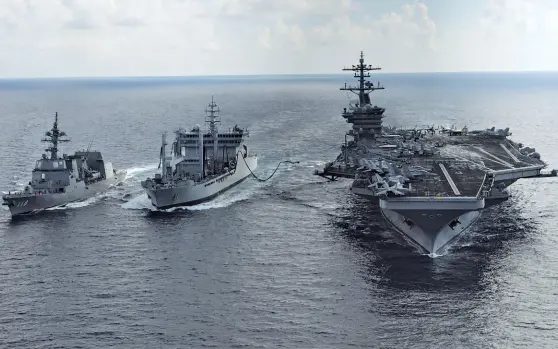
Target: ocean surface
295,262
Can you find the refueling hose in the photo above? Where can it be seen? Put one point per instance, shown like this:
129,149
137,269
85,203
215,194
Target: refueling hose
268,178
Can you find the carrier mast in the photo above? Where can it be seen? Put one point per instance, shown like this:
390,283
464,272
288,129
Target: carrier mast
366,119
361,72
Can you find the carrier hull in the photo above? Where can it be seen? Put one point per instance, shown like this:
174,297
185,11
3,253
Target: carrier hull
430,224
433,240
431,183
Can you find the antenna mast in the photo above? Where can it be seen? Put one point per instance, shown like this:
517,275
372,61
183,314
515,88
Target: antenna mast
212,116
54,137
361,72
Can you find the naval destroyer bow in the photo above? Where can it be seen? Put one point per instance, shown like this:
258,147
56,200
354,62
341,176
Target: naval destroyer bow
431,184
59,180
202,164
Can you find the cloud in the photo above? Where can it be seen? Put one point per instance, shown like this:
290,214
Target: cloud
510,35
130,22
278,8
84,15
391,38
140,37
192,37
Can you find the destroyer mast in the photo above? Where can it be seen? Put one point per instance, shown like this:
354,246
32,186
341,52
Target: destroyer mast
58,180
54,136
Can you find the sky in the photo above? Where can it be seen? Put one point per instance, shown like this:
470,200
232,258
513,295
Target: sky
95,38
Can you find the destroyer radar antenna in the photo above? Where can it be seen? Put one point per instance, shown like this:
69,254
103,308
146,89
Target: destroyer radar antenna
54,137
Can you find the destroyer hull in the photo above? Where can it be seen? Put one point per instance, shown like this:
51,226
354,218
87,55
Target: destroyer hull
189,195
25,204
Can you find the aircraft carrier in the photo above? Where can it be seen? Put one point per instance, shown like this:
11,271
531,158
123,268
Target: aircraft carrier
431,183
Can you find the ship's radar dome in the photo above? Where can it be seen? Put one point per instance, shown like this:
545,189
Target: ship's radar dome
196,127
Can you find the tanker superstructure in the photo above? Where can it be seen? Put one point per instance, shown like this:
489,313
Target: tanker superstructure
59,180
202,164
431,184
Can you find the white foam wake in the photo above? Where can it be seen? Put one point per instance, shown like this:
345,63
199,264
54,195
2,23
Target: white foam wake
138,202
226,199
136,199
312,163
234,195
128,187
131,184
78,204
137,173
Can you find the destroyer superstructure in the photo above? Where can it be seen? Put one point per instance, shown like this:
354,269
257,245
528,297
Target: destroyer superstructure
431,184
202,164
59,180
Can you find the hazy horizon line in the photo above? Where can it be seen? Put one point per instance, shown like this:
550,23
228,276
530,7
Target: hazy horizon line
278,75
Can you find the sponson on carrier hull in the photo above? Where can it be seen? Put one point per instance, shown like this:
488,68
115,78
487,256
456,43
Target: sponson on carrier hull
431,184
202,164
59,180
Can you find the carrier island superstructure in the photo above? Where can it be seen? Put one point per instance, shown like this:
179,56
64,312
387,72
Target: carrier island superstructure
58,180
202,164
431,184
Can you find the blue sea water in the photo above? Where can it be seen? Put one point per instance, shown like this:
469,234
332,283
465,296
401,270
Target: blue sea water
296,262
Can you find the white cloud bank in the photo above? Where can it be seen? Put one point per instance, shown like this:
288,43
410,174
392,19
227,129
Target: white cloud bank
207,37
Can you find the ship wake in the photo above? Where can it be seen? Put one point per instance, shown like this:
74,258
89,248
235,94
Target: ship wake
135,198
130,195
230,197
121,191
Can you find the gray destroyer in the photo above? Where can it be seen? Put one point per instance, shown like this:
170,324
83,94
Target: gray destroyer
202,164
58,180
431,184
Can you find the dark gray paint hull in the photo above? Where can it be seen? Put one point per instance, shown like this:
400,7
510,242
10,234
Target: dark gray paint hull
26,204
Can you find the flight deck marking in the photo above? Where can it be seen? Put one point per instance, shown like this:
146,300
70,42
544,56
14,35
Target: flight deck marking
450,180
495,157
509,153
